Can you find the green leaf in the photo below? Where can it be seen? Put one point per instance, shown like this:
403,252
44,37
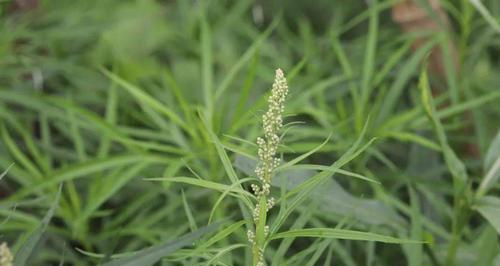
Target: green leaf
415,252
26,250
147,99
202,183
402,79
493,152
408,136
491,167
330,197
226,162
189,213
104,188
5,172
491,177
489,208
303,156
17,153
151,255
341,234
454,164
207,67
84,169
229,77
486,14
222,234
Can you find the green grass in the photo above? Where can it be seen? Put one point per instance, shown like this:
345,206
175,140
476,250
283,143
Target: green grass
128,128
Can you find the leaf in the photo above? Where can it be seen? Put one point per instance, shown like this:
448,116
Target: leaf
489,208
493,152
229,77
147,99
486,246
17,153
6,170
26,250
415,252
454,164
83,169
331,197
151,255
303,156
202,183
486,14
104,188
491,166
491,177
226,162
408,136
402,79
222,234
340,234
189,213
207,66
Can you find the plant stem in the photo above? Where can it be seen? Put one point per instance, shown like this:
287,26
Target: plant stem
460,220
260,232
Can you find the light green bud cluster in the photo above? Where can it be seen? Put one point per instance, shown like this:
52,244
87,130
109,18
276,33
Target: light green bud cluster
268,161
6,257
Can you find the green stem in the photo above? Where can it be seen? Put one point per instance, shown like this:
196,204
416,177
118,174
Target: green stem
460,220
260,233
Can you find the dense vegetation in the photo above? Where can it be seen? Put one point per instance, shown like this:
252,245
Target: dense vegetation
132,125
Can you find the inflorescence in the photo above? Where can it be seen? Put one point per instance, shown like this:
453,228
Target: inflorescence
6,257
268,146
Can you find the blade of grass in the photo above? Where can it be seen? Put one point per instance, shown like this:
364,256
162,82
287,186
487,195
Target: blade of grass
303,156
305,188
489,208
341,234
403,77
18,154
150,101
106,187
489,180
415,252
204,183
189,213
486,14
222,252
151,255
231,75
368,65
223,195
206,64
5,172
454,164
408,136
84,169
26,251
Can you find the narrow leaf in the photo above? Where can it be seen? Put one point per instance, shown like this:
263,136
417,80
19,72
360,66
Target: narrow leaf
151,255
340,234
26,250
489,208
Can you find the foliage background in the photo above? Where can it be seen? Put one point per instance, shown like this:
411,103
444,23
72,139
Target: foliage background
98,95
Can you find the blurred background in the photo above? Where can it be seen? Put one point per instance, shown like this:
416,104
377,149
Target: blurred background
97,95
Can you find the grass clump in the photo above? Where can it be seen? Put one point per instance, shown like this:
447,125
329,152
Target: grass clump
144,115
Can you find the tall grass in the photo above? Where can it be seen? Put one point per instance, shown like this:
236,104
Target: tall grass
128,128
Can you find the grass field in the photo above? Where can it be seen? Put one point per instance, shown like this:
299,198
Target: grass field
128,133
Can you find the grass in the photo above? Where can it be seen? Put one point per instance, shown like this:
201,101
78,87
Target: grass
128,130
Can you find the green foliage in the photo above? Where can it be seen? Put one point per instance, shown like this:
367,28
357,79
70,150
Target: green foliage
128,127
